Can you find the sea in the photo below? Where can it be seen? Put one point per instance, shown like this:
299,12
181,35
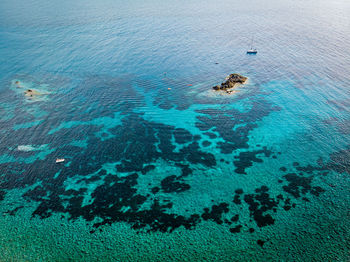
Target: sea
158,165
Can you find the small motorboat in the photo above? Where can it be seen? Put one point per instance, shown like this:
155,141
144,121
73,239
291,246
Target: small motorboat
252,51
60,160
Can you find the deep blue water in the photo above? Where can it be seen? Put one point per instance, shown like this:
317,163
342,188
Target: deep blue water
158,165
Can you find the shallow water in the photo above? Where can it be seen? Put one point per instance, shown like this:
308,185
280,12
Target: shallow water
182,174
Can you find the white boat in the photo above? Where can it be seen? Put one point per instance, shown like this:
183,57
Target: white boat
60,160
252,51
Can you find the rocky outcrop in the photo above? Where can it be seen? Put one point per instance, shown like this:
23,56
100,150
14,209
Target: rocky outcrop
230,82
31,93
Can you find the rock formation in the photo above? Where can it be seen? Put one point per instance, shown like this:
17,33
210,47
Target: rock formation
230,82
31,93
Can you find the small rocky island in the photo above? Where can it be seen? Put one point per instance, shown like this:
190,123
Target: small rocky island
230,82
31,93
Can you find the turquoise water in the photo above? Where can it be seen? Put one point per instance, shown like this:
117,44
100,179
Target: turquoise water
179,174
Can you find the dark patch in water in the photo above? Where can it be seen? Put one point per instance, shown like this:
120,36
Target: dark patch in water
305,199
13,211
259,204
299,185
211,135
206,143
155,190
2,195
237,199
340,161
215,213
239,191
136,144
236,229
228,222
148,168
286,207
116,199
309,169
235,218
185,170
237,125
246,159
182,136
172,184
261,242
237,196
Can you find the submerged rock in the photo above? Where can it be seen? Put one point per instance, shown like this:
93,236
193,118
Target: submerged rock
31,93
231,81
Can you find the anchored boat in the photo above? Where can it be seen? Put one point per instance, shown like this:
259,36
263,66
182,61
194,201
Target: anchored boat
252,51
